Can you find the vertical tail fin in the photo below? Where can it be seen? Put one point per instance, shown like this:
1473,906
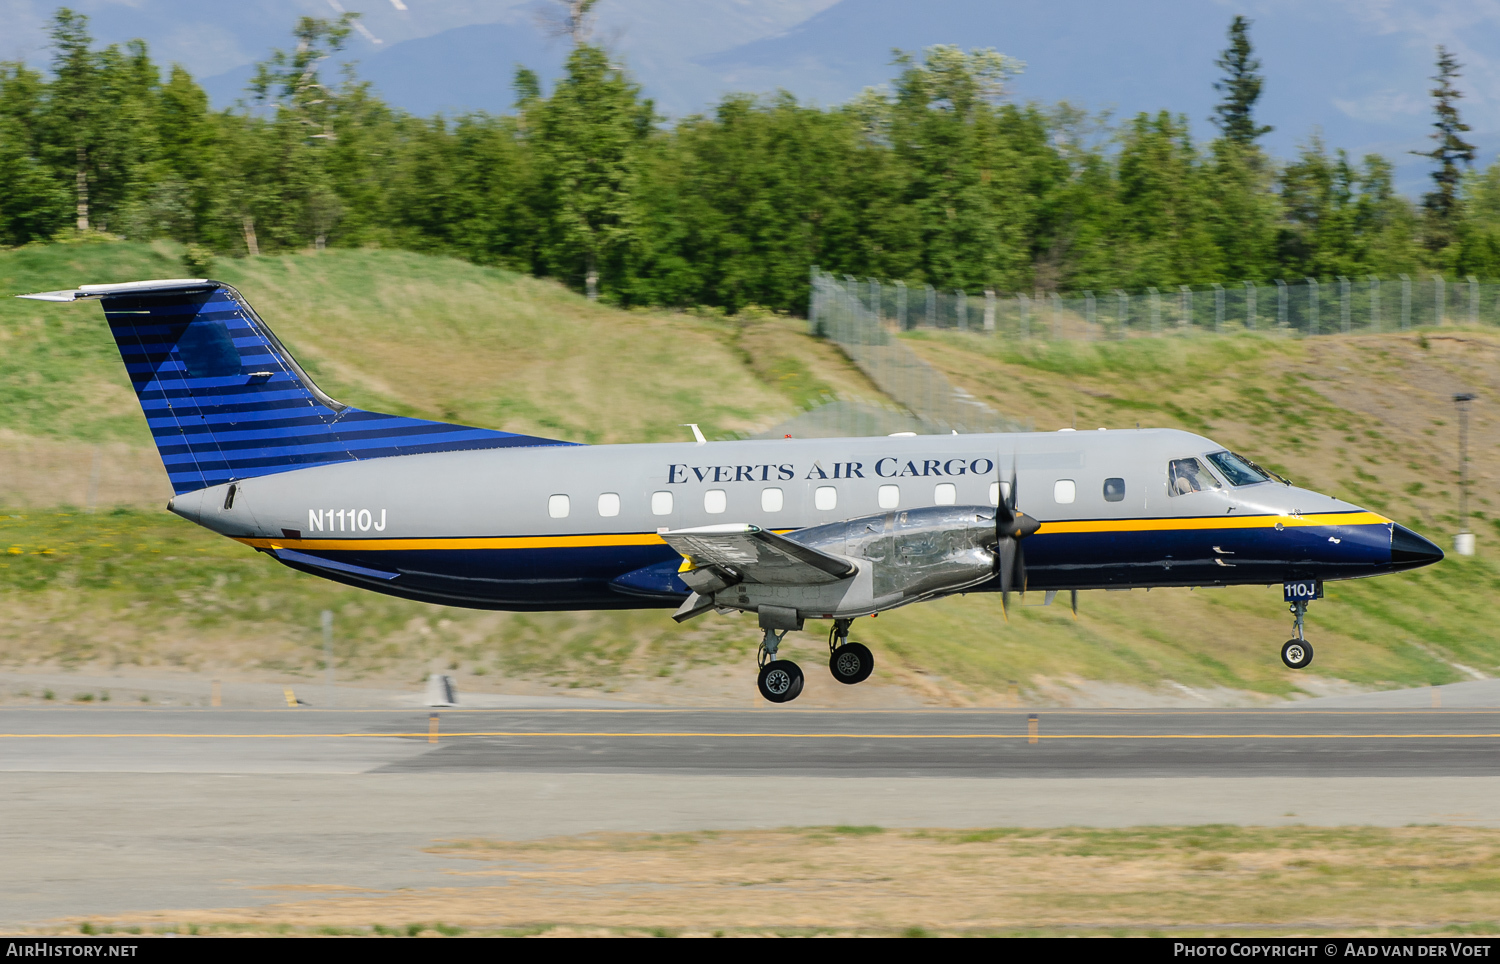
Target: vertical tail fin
225,400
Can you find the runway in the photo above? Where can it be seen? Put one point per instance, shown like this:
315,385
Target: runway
769,742
116,809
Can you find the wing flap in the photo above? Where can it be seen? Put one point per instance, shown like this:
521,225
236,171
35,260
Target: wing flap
756,555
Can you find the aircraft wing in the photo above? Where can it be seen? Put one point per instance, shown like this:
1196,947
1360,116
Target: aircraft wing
751,554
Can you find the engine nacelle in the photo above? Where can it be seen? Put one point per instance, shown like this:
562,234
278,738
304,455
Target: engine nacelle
900,557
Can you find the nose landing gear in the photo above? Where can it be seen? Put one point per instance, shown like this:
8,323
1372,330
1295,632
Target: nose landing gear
1297,653
849,662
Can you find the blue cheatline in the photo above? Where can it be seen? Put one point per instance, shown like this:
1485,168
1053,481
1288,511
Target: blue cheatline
225,400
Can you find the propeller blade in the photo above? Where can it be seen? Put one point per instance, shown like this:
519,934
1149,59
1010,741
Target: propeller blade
1074,594
1004,512
1012,485
1005,560
1021,564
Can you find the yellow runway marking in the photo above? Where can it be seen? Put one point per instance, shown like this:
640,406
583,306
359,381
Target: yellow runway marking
763,735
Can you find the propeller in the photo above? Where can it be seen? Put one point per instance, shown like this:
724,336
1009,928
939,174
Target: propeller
1011,526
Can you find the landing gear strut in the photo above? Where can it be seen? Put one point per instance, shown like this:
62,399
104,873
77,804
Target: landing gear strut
780,680
1297,653
849,662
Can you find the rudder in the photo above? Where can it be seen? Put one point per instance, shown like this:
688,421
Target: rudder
225,400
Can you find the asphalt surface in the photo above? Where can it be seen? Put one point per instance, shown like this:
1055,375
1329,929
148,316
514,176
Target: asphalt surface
106,811
769,742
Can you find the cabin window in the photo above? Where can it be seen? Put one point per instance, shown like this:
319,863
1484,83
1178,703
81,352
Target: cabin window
1064,491
715,501
771,500
826,497
1188,475
1114,490
557,506
609,504
946,493
661,503
1237,469
889,496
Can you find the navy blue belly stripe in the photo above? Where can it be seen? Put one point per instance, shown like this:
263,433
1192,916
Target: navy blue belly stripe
225,401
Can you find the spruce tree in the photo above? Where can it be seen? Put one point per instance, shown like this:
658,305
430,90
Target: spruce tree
1442,202
1241,87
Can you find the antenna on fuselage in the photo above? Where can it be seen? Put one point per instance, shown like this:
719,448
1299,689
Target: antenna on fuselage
697,432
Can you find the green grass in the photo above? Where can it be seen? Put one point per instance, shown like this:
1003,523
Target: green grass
439,338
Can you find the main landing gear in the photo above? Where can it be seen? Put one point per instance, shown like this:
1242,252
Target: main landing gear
849,662
1297,653
780,680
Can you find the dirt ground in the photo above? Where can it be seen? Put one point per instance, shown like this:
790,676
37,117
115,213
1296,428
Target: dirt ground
865,880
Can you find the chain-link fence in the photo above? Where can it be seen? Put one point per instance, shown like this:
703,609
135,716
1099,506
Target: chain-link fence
1307,307
856,318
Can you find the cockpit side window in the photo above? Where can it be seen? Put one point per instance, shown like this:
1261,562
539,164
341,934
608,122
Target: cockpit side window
1237,469
1189,475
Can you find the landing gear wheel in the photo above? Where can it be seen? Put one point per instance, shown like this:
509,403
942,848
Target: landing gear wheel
851,663
780,681
1297,653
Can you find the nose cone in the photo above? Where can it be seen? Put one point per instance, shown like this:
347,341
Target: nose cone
1409,550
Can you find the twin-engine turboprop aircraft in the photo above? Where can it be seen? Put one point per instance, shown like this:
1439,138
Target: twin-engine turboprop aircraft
789,530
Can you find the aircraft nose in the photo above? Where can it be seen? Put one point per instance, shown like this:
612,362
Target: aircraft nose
1409,550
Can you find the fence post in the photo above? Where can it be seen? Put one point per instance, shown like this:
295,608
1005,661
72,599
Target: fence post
901,305
1473,300
1313,328
814,303
1155,297
989,310
1281,319
1185,318
931,306
1251,322
1345,321
1024,304
876,303
1056,316
1088,316
961,309
1218,308
1122,312
1405,302
1374,303
1439,300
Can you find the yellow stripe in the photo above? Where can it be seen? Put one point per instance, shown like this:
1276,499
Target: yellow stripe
652,539
1217,522
492,542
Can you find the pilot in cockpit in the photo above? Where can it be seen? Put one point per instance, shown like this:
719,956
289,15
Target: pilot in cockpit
1188,475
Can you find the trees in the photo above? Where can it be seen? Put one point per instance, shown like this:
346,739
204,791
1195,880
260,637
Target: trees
588,134
1442,203
1241,88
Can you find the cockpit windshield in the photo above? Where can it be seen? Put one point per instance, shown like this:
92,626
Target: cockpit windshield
1238,470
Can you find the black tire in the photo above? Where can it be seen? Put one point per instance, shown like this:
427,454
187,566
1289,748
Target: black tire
1297,653
851,663
780,681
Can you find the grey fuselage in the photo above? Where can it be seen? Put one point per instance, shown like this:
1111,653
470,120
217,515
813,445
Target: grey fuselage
577,527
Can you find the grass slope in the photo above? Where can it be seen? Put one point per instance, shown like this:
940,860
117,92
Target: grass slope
1365,417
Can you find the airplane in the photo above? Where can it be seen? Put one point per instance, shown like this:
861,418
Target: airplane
786,529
